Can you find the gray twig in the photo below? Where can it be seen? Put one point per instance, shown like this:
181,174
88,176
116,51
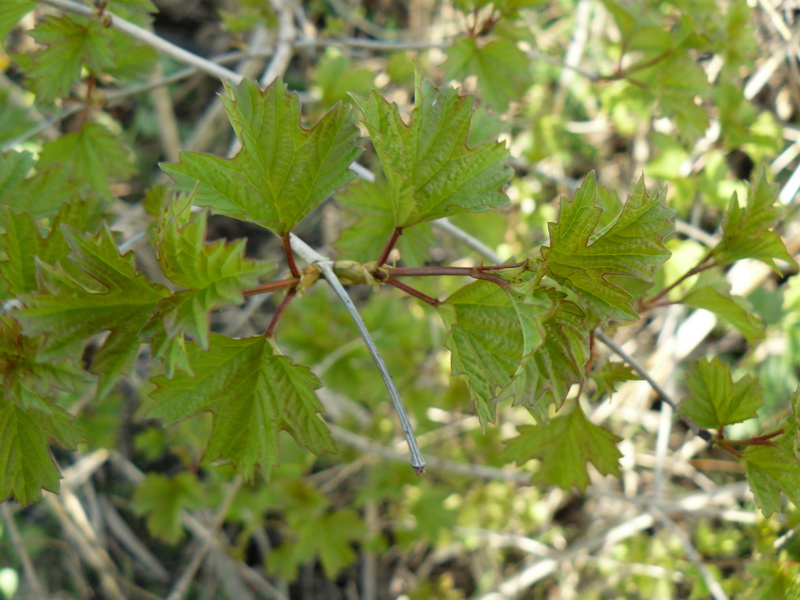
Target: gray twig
312,256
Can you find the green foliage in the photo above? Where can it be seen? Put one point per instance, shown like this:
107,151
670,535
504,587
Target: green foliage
564,447
716,400
431,171
600,262
254,393
149,350
283,171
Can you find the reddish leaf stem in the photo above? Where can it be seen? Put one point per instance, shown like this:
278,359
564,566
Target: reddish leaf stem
287,250
279,311
413,292
272,286
398,231
474,272
701,266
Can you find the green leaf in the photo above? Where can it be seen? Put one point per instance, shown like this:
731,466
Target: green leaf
40,194
492,330
715,400
283,171
770,471
610,374
715,296
213,274
431,170
604,265
364,240
111,296
565,447
503,70
93,156
26,465
23,245
162,499
71,43
329,536
547,375
253,393
746,230
11,11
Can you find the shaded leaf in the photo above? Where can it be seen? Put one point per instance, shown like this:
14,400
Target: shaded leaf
770,471
253,393
502,69
162,499
565,447
715,296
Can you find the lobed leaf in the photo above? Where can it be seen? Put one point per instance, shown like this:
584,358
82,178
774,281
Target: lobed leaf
213,274
770,471
502,69
715,400
283,171
746,231
253,393
430,169
565,447
110,296
162,499
715,296
603,266
11,11
492,329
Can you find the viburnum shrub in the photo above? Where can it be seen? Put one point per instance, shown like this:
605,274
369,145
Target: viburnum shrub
86,320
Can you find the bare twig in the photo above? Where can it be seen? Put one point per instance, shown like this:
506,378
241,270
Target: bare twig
312,256
182,585
18,543
665,397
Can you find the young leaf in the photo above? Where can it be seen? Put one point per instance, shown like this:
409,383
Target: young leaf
431,170
715,400
213,274
488,339
547,374
601,265
502,69
746,232
565,446
253,393
71,43
111,296
162,499
94,156
283,171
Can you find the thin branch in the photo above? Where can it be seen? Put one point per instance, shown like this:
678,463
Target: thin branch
474,272
312,256
18,544
279,311
149,39
475,244
665,397
272,286
413,292
182,585
287,250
